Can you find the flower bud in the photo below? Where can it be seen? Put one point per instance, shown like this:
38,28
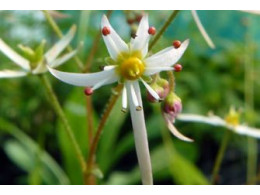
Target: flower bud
172,105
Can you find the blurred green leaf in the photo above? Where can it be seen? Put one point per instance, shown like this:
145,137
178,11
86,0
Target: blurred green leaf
24,152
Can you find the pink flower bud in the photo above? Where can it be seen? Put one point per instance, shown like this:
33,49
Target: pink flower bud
172,105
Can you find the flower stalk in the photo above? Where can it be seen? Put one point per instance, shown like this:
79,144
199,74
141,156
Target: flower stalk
220,155
58,109
108,108
164,27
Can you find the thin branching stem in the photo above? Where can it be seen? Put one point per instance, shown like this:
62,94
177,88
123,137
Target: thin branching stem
58,32
164,27
58,109
220,155
90,163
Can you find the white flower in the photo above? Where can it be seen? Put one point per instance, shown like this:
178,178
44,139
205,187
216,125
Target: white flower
39,63
217,121
130,64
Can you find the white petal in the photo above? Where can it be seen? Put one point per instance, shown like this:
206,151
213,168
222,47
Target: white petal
153,70
202,29
211,120
11,73
141,41
124,99
150,90
63,59
85,79
174,131
245,130
109,67
115,45
41,68
140,136
167,57
15,57
103,82
53,53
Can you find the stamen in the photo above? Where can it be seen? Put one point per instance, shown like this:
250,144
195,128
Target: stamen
124,100
176,44
178,68
152,30
134,98
105,31
88,91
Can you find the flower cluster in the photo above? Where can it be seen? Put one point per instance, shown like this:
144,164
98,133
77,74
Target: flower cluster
36,61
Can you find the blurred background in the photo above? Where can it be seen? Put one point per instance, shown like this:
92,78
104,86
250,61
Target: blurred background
34,148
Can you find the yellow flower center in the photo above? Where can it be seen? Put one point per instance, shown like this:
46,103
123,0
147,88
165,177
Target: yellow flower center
131,68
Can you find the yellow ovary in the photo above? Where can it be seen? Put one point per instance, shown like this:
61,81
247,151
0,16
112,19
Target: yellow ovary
131,68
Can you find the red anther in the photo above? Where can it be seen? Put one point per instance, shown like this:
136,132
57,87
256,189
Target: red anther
88,91
152,30
178,67
105,31
138,18
130,20
176,44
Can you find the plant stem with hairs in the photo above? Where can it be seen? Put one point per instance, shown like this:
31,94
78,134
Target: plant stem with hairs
58,109
92,152
220,155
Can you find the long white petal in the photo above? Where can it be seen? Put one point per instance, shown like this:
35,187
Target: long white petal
85,79
53,53
174,131
15,57
115,45
150,90
245,130
63,59
140,136
103,82
153,70
11,73
124,99
167,57
140,42
202,29
211,120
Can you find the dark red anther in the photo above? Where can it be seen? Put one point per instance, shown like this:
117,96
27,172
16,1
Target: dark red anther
130,20
176,44
177,67
152,30
88,91
105,31
139,17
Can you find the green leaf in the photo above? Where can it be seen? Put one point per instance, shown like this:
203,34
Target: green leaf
24,152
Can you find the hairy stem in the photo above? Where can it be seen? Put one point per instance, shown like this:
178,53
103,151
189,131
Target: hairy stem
92,152
164,27
220,155
58,32
58,109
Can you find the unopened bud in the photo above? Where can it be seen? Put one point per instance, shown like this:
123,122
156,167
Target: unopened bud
172,105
